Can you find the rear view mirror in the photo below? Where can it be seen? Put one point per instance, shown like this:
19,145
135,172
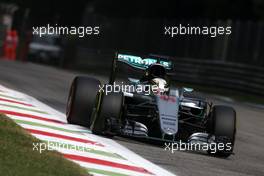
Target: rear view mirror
133,80
187,89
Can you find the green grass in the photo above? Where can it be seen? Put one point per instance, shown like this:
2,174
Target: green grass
17,157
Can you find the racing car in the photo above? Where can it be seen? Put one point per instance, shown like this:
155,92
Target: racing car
150,106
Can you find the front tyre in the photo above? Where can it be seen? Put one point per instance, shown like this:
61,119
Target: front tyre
107,120
223,126
81,101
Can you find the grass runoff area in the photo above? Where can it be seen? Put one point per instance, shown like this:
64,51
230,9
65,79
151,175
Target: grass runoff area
17,157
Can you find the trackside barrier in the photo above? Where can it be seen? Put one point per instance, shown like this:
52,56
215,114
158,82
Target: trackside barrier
238,77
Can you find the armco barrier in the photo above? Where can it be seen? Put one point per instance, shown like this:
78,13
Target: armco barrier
212,73
236,77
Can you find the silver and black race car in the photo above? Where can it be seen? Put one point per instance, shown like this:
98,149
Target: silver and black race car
150,106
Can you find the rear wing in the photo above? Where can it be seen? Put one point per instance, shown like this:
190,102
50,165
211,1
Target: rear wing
138,62
143,62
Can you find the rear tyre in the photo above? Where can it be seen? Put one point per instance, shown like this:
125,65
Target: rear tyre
82,100
223,127
107,120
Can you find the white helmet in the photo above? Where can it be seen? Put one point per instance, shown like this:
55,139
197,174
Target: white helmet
161,84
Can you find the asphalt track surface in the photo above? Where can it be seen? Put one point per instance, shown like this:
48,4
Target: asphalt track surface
51,86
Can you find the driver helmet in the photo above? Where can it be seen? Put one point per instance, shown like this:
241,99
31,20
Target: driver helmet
156,71
157,76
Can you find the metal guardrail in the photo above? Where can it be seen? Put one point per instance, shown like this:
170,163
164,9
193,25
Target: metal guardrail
238,77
